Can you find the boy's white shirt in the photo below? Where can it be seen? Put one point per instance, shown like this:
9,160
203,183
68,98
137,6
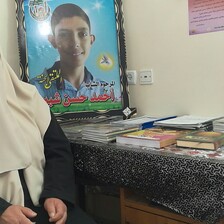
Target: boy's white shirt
24,119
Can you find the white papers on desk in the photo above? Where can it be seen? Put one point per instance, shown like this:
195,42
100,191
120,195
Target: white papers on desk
187,122
218,125
135,121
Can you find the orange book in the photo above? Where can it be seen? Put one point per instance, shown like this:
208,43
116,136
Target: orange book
151,137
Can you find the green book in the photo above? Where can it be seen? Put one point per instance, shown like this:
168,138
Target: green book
209,140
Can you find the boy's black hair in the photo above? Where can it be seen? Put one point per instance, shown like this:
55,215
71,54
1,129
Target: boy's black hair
67,10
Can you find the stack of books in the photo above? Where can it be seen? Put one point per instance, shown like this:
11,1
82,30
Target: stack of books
104,132
189,122
209,140
73,128
151,137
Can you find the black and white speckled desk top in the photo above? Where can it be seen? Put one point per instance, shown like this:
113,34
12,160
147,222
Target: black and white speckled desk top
190,182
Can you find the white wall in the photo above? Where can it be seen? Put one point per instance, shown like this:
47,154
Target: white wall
188,70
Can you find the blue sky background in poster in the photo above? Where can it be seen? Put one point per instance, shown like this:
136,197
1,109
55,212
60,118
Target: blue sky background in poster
103,25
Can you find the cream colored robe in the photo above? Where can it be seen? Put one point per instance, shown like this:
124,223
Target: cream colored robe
24,119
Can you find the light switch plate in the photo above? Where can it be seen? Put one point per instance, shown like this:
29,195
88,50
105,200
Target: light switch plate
146,77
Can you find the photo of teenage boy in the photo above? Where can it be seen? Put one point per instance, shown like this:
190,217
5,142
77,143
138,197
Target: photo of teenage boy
71,36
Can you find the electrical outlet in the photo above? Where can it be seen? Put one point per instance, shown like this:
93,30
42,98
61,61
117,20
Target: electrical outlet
132,77
146,77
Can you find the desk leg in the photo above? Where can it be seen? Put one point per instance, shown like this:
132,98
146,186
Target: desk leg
82,197
124,194
122,205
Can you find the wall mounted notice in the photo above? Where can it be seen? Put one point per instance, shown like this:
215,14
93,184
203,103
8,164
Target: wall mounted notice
205,16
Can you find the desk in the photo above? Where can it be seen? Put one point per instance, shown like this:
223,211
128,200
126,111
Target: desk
188,182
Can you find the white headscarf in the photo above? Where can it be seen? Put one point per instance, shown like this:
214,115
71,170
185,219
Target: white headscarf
24,119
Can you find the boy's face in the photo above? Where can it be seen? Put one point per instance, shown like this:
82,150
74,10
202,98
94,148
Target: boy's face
73,40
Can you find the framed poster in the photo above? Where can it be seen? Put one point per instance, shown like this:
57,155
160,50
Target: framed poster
73,51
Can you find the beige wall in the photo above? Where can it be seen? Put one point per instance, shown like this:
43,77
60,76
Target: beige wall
8,34
188,70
